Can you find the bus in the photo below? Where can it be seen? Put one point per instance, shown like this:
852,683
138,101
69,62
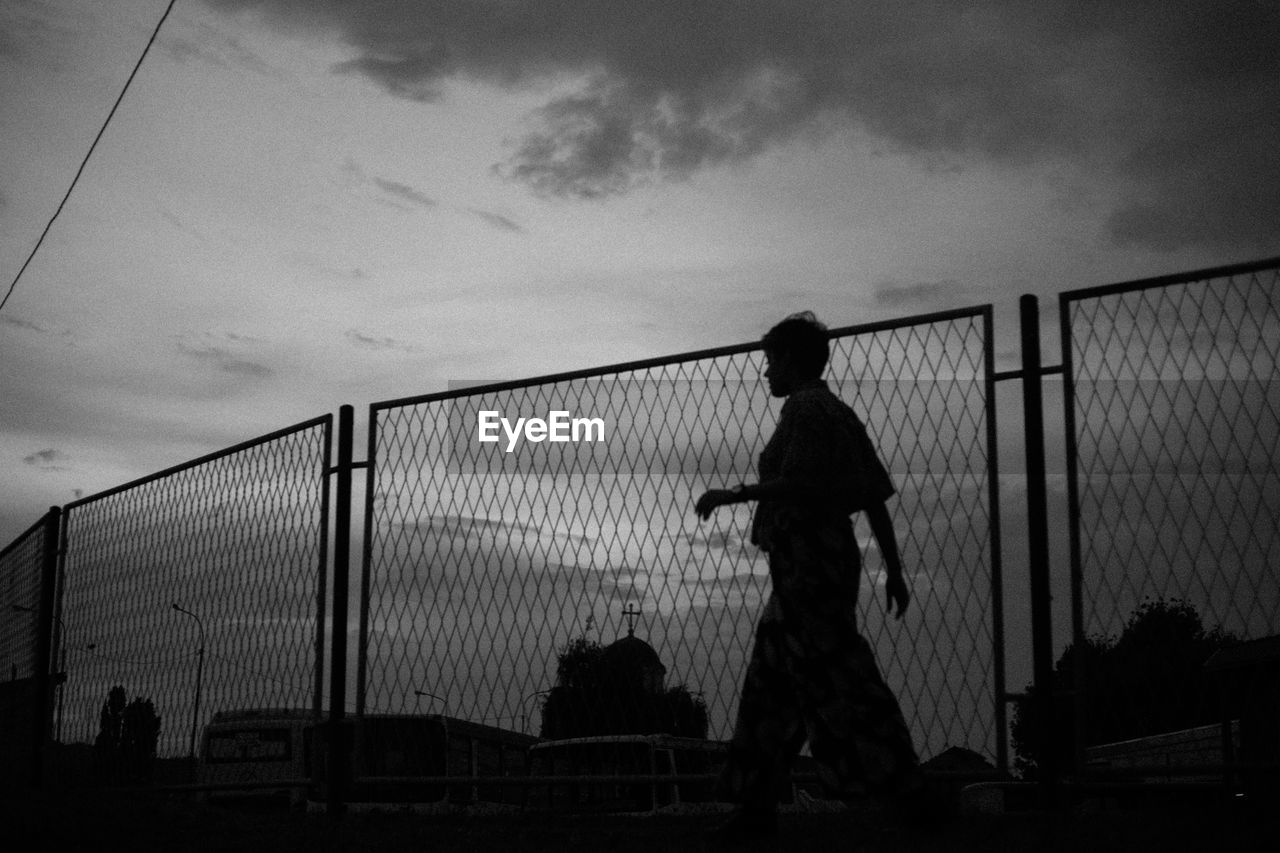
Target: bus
611,758
395,755
259,753
620,756
398,760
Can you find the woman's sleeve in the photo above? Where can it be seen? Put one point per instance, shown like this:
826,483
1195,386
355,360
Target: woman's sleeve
872,481
831,450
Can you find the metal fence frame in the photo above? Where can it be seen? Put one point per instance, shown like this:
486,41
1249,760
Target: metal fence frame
981,316
50,539
39,546
320,444
1068,301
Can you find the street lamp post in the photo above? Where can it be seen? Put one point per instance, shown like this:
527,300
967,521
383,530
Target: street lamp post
417,706
62,683
62,650
524,718
195,712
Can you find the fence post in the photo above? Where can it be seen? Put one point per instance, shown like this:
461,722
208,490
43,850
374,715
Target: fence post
45,620
1080,663
997,564
1038,547
339,753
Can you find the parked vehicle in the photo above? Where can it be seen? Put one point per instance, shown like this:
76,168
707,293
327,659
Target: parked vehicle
394,755
245,751
263,754
613,756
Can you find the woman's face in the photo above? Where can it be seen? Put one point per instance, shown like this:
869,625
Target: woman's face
779,373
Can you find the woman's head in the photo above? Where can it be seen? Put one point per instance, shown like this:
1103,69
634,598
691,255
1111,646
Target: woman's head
801,342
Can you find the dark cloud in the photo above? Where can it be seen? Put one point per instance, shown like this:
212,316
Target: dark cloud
398,192
26,30
226,361
498,221
404,192
370,342
207,44
1175,105
46,460
316,266
897,294
19,323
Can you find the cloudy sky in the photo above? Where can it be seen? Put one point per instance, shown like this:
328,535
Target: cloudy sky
303,204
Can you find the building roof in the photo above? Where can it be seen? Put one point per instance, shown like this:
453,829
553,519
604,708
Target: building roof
1254,652
632,652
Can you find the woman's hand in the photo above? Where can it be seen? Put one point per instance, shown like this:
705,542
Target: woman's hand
896,593
711,499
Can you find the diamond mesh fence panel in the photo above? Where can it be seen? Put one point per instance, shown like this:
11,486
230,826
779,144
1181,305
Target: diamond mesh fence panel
1176,418
196,590
487,560
20,567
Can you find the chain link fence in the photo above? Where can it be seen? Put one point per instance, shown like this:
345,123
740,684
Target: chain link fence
26,569
1173,414
193,591
504,558
486,559
21,566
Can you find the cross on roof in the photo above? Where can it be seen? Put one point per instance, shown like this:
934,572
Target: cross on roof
630,613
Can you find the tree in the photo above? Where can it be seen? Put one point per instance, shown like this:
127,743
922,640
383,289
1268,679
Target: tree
125,748
1148,681
594,695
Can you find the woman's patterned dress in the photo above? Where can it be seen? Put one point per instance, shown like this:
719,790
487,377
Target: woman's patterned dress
811,674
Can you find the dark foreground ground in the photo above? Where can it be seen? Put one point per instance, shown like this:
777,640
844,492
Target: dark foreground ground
140,826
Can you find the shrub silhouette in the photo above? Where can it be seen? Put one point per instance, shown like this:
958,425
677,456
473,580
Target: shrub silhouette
1148,681
124,751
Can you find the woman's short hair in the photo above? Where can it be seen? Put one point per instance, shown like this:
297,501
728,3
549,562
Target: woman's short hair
803,339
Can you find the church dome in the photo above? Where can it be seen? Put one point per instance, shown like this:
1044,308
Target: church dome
637,659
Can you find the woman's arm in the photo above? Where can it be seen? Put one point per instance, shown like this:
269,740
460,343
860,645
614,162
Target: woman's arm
773,490
895,586
781,489
897,596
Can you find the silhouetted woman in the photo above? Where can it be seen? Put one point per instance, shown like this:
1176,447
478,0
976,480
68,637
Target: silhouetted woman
811,674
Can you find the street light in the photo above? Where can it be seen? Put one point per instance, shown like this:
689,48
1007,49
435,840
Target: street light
417,707
195,712
62,648
524,718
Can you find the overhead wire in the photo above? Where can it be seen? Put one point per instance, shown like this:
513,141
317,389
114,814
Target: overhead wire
85,162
